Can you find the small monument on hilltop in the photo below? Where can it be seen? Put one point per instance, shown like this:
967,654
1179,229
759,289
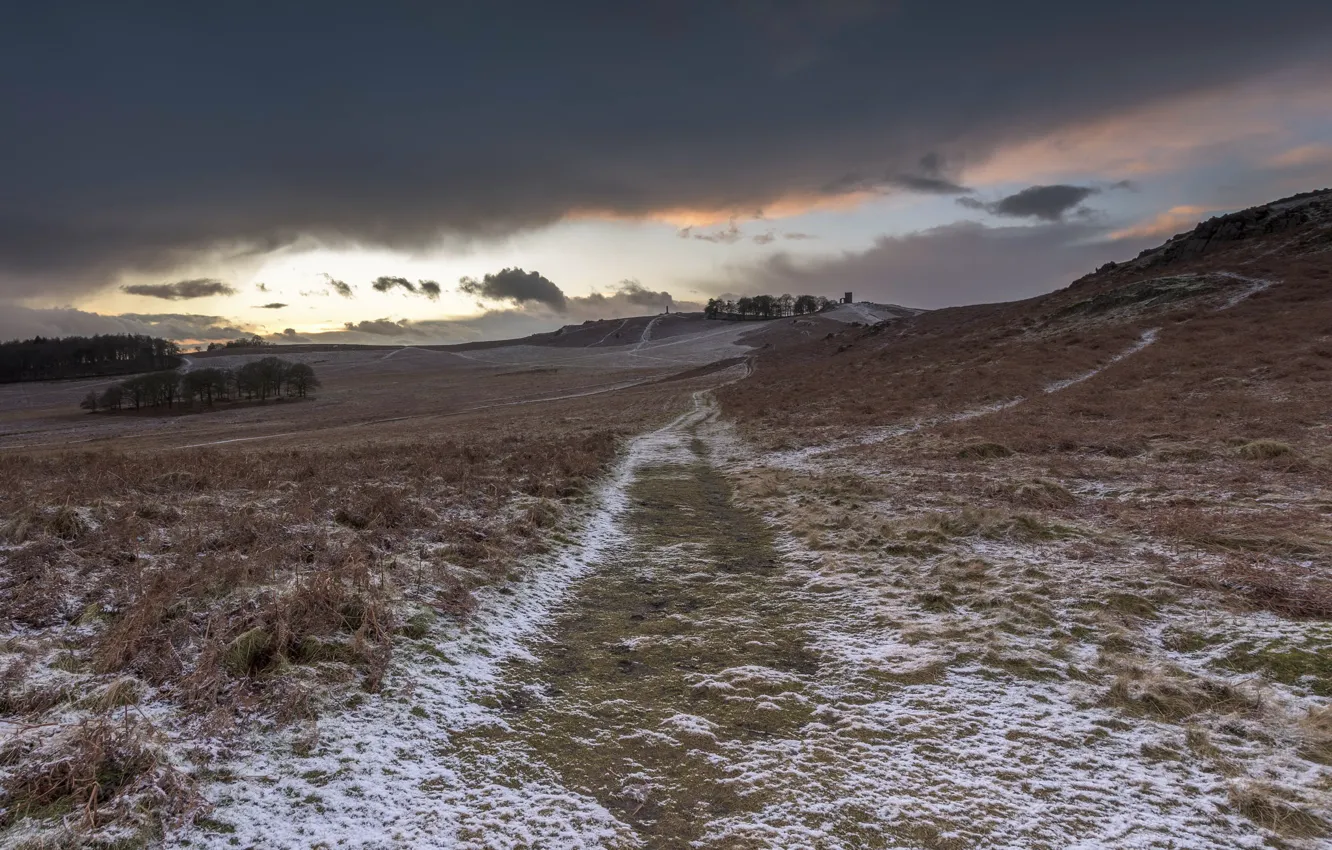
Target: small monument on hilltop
846,299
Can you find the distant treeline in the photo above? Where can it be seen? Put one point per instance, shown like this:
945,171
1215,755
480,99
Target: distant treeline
765,306
271,377
47,359
253,341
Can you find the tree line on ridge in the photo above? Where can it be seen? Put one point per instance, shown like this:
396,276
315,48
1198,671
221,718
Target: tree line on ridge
765,306
269,377
53,358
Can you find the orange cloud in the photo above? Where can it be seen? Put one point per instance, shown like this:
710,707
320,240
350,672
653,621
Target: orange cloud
787,206
1316,154
1166,136
1172,221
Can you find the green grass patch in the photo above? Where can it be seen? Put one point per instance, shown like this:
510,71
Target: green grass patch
1305,667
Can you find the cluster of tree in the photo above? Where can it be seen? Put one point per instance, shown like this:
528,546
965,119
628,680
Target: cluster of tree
271,377
253,341
765,306
46,359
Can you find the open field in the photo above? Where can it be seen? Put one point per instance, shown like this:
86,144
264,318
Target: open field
1038,575
372,388
172,577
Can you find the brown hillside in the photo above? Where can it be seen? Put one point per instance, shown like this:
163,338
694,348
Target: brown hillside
1241,307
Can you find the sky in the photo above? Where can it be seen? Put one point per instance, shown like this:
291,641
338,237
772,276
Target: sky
413,172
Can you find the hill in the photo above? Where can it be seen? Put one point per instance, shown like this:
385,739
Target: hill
1113,497
1245,295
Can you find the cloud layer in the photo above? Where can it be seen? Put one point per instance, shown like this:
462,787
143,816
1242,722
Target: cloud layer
135,127
429,288
341,287
181,290
963,263
23,322
516,287
1050,203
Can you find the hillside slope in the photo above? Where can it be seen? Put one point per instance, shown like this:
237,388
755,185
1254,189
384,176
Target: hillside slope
1113,501
1242,307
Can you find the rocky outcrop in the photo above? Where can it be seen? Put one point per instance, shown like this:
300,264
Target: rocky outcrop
1283,216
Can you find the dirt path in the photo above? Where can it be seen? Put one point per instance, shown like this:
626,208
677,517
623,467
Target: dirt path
681,652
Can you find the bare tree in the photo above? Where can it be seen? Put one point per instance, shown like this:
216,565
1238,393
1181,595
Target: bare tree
301,379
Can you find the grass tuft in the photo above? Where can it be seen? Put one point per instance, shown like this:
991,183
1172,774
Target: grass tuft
1262,804
1043,493
249,652
95,772
1173,695
984,451
1281,588
1263,450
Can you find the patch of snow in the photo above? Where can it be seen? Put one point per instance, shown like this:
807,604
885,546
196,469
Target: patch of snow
1256,285
1148,337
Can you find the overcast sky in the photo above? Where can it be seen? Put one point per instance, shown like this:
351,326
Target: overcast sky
207,171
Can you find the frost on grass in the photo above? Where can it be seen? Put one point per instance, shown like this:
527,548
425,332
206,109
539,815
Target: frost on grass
227,600
926,677
390,770
1030,681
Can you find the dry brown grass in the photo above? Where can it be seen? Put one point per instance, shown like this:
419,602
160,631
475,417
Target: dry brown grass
1266,806
1261,368
257,581
1316,729
1263,450
1184,481
984,451
1169,694
1285,588
189,551
1043,493
95,771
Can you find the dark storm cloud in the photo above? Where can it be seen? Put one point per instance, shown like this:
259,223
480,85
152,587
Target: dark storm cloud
181,290
930,175
429,288
516,286
928,185
276,305
962,263
341,287
131,137
1050,203
636,293
770,236
382,327
385,283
